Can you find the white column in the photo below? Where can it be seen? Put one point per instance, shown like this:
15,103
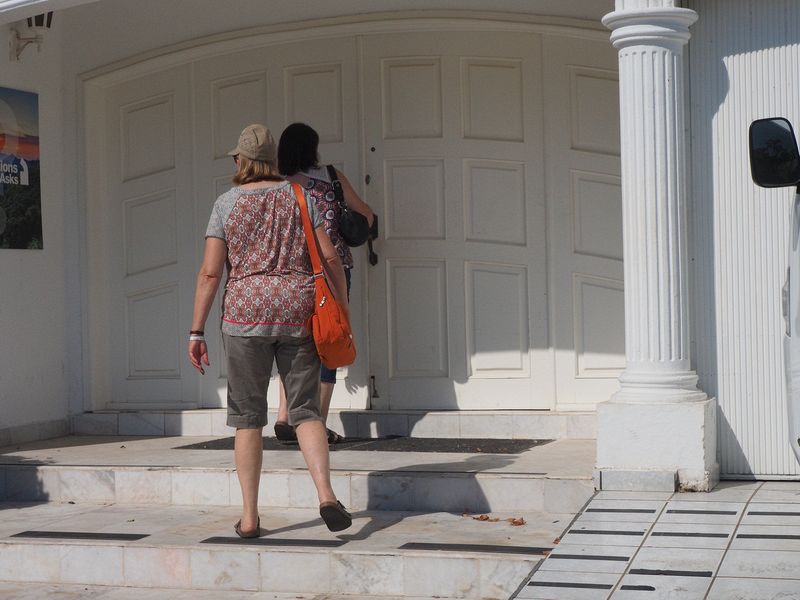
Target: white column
659,429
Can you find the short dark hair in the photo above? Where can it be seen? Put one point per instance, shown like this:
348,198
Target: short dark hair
297,149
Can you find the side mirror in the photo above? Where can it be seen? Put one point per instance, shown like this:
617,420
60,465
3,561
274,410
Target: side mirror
774,159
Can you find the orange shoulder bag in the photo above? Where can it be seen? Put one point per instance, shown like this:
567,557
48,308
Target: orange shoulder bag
329,324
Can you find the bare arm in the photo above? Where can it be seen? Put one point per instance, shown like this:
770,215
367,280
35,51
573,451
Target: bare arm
333,266
208,280
353,200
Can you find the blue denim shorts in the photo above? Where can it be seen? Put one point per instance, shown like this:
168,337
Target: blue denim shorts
327,375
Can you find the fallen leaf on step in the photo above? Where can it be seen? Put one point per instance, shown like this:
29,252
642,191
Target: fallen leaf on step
517,522
486,518
557,540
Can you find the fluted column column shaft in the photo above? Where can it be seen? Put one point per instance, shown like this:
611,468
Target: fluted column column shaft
653,146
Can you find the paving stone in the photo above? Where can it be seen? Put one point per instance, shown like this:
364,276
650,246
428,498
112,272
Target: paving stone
552,585
683,535
661,587
700,512
772,514
693,562
589,559
767,537
739,588
769,564
586,531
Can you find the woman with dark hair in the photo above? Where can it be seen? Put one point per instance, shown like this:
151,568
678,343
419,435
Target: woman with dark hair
257,230
298,161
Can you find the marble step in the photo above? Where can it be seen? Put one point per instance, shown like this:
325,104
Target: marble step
355,423
553,477
62,591
384,554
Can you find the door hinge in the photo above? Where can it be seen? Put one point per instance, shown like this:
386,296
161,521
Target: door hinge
374,392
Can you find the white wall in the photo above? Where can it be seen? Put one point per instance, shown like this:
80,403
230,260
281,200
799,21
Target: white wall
744,58
42,346
38,290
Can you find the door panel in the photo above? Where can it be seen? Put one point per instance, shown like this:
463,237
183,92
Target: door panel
585,200
458,302
150,246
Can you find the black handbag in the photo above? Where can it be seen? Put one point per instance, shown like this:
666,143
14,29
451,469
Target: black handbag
353,226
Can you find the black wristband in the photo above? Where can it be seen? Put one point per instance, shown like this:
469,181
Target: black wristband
200,332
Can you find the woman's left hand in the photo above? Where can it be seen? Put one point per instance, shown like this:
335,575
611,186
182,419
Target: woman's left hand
198,355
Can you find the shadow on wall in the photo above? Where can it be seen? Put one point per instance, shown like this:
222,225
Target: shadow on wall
738,356
27,481
36,480
734,454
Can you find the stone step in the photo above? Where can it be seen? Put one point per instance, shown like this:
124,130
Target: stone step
31,591
554,477
355,423
384,554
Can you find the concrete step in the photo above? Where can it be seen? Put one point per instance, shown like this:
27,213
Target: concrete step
355,423
384,554
37,591
555,477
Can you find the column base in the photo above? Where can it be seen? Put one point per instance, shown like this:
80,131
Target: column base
657,446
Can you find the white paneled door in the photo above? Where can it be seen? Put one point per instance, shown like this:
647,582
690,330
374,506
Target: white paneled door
149,248
454,157
491,158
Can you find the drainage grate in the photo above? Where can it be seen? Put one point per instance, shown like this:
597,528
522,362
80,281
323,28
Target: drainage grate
395,444
268,541
82,535
490,548
567,584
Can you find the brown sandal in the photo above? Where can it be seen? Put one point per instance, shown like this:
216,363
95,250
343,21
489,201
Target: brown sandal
253,534
334,438
335,516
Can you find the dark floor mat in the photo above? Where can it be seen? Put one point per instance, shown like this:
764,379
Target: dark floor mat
395,444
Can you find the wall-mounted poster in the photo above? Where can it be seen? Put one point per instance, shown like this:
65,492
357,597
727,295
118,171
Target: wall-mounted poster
20,194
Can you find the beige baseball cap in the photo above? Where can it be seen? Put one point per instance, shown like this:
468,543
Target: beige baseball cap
256,143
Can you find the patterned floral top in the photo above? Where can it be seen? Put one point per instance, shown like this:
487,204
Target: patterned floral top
317,183
270,288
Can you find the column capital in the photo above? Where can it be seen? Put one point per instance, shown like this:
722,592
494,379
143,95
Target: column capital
663,26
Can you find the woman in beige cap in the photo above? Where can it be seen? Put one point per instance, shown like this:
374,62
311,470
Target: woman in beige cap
257,230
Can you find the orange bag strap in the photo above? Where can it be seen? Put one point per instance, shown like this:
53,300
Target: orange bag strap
311,239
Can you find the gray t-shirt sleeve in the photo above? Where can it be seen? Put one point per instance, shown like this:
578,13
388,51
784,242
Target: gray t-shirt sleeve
220,213
215,226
